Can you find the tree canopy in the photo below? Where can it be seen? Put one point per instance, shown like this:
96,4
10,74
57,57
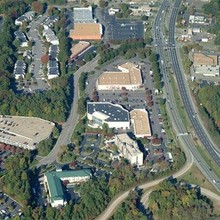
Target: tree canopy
212,8
173,200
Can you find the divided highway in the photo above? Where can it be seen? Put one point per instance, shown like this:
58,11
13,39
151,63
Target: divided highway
185,139
200,132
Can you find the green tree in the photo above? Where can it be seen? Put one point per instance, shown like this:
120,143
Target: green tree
103,4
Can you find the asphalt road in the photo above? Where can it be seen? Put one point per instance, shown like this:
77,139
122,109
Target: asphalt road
206,192
68,127
37,50
114,204
201,133
184,137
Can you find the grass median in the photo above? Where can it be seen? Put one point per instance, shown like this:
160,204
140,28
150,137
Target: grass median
179,103
195,176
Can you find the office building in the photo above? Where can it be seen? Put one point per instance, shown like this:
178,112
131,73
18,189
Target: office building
129,77
140,122
128,148
114,115
53,182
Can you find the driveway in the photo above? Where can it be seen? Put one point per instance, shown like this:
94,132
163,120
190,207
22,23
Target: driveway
37,51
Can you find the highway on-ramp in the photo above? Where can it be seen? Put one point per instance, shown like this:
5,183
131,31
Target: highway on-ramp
114,204
185,139
68,127
204,191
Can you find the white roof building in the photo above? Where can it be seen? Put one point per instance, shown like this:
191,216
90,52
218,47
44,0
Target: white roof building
83,15
28,16
114,115
129,149
128,77
141,123
50,36
206,65
196,19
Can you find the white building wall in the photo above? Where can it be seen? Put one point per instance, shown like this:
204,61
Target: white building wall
140,159
117,87
52,76
55,42
75,179
89,116
132,159
119,125
18,22
57,203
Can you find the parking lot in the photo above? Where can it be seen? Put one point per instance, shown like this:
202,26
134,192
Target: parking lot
37,50
91,142
8,207
130,99
35,81
119,29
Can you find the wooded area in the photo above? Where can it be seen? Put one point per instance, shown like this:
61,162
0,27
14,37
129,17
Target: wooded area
129,208
175,200
16,181
51,105
212,9
209,97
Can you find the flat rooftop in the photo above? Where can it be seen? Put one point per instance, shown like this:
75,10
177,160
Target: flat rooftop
25,130
130,144
204,59
130,74
140,121
83,15
86,31
207,70
114,112
79,48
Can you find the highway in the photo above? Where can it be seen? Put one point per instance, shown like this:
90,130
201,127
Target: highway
68,127
184,138
187,101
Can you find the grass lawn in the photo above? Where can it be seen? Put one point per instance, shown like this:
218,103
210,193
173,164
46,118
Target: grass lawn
104,156
179,104
88,151
195,176
209,160
216,207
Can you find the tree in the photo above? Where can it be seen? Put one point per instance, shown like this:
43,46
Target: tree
81,106
103,4
175,200
44,59
38,7
144,18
